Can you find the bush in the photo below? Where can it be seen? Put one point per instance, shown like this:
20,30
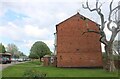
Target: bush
34,74
35,62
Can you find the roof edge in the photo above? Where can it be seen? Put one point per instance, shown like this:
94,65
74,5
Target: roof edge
75,15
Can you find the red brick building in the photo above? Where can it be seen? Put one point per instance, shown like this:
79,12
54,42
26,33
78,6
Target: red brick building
75,49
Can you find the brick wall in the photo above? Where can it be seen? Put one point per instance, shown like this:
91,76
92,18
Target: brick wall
75,49
46,61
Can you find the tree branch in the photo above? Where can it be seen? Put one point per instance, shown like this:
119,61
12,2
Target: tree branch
87,7
118,30
112,10
101,4
102,38
114,34
111,5
108,25
98,10
116,18
116,52
88,30
109,18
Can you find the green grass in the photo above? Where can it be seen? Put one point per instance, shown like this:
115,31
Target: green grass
19,69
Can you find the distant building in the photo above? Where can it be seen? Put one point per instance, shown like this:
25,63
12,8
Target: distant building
74,47
49,60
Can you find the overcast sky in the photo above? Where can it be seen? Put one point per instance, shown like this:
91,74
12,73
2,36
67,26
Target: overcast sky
24,22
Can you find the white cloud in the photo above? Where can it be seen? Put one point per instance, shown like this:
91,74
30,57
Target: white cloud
25,36
50,44
34,31
36,1
61,15
27,44
10,31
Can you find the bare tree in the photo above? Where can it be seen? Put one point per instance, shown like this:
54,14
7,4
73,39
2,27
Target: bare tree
114,30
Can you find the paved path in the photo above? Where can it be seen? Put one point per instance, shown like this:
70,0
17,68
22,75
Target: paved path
3,66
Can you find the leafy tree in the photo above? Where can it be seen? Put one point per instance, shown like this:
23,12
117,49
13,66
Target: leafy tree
12,48
114,29
2,48
21,53
40,48
33,56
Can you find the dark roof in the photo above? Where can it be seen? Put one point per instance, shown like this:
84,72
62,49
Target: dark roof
5,54
78,14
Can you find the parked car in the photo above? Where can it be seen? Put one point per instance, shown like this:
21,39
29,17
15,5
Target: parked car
27,59
20,60
5,58
13,59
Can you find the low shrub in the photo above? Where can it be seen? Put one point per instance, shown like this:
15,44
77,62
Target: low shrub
35,62
34,74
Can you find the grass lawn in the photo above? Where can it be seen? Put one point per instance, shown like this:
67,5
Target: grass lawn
19,69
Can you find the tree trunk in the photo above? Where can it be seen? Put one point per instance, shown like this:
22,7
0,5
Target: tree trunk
40,59
110,65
